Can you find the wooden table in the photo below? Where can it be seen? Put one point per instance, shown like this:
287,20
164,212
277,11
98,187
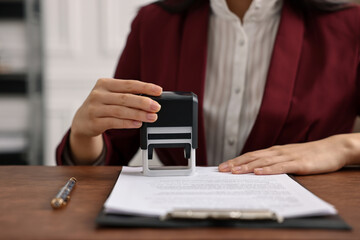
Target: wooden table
26,191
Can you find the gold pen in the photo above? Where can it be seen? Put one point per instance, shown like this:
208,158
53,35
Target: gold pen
63,195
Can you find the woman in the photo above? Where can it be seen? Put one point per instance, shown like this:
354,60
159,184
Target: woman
277,82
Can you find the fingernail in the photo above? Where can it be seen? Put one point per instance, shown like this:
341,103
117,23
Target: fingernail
137,123
236,169
224,167
154,106
151,116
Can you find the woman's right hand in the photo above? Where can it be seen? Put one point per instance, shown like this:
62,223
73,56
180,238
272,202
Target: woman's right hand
112,103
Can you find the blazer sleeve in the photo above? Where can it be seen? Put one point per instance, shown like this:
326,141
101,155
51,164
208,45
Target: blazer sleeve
120,145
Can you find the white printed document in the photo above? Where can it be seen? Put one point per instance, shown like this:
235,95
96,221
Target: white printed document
136,194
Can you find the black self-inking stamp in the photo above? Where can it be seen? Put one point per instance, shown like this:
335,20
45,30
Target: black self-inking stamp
176,127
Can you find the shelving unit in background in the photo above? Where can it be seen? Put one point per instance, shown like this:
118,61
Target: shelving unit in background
21,114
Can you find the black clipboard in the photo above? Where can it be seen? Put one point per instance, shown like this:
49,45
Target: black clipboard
333,222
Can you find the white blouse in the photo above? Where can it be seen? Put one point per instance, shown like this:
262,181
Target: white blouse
237,65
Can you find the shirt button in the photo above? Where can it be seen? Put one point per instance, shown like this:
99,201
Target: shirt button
231,141
242,42
237,90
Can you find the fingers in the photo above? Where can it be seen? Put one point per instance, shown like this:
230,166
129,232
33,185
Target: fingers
248,157
130,100
122,112
264,166
275,160
261,162
116,123
279,168
129,86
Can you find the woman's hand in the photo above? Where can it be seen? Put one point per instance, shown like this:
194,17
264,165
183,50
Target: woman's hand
112,103
327,155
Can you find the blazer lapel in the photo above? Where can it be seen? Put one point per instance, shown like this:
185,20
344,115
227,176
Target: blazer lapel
280,82
192,65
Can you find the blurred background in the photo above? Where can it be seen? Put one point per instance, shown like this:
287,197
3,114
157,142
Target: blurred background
51,54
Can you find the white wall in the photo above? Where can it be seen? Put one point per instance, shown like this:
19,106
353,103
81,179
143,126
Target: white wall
83,40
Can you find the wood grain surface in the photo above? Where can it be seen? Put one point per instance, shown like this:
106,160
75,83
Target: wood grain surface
26,192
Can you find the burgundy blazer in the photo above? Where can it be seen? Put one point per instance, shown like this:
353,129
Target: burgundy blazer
312,88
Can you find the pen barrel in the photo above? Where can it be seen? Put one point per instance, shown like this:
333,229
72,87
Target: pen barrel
71,183
63,195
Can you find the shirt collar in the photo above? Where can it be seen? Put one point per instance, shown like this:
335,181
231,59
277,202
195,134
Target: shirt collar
258,10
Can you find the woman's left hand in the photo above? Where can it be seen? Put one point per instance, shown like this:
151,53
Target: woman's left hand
326,155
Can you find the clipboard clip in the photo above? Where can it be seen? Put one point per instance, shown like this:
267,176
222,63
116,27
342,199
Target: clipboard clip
223,214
